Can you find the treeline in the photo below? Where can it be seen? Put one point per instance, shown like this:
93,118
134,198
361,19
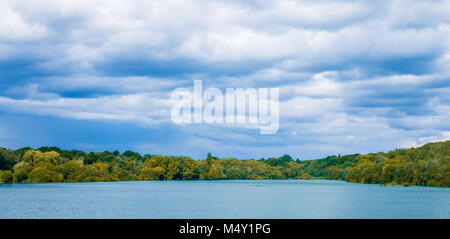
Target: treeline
428,165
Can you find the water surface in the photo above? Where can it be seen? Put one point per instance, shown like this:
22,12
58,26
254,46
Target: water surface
222,199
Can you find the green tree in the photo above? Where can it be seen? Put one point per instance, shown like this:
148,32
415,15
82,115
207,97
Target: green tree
216,173
6,176
22,171
155,173
44,175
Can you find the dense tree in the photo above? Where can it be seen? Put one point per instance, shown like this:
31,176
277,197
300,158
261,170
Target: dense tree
45,175
22,171
216,172
8,159
6,176
132,155
428,166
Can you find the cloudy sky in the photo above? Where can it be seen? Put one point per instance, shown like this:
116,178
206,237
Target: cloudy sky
354,76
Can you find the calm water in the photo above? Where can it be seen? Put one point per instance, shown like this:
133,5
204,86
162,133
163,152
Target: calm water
222,199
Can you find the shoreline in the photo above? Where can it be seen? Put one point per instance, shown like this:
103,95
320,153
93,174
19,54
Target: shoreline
220,180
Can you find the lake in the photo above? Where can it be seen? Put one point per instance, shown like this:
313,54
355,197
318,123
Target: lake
222,199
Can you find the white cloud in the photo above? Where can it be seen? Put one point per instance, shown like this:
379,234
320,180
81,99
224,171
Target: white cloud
443,136
127,84
140,108
333,61
13,26
305,32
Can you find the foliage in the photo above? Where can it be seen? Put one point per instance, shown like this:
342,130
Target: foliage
45,175
427,165
6,176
